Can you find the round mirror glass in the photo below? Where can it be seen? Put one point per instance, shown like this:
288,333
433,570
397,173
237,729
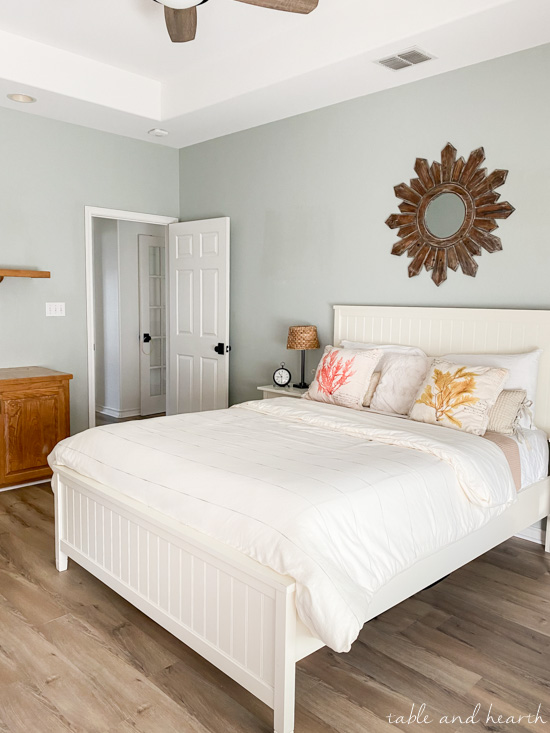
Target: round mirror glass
445,215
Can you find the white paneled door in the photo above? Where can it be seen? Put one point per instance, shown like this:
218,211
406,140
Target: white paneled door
198,341
152,318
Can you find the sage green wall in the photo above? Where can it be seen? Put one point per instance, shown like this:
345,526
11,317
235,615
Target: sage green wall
48,172
308,198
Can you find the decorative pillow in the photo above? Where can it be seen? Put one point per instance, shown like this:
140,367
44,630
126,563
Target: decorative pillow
343,376
458,396
401,377
523,372
373,384
505,414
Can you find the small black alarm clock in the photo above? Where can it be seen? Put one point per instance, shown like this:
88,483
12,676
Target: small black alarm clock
282,377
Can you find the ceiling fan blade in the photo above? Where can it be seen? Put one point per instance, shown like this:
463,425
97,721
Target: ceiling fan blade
290,6
181,24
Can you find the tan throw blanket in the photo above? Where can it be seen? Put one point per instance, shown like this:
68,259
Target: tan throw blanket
511,451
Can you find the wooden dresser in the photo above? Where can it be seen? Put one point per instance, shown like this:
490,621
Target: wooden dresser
34,413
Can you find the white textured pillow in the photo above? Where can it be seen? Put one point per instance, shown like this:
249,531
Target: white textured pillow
343,377
523,370
386,349
458,396
401,377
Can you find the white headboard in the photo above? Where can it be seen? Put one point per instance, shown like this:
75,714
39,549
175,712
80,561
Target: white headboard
442,330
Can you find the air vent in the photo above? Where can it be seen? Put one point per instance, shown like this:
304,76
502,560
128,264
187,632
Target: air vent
411,57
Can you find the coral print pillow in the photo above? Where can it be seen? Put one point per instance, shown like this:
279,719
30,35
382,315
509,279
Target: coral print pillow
343,376
458,396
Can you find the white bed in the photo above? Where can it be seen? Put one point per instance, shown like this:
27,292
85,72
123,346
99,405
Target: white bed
240,614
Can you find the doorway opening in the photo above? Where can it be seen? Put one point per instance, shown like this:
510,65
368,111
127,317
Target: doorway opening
127,314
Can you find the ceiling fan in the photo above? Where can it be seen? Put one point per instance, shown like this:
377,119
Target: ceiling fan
181,15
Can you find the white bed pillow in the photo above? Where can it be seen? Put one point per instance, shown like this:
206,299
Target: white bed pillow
400,380
343,377
386,349
523,372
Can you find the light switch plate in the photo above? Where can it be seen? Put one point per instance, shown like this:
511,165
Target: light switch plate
55,309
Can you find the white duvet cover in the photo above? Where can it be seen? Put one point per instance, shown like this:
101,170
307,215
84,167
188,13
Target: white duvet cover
342,501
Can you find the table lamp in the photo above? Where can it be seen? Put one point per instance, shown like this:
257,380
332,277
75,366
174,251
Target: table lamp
303,338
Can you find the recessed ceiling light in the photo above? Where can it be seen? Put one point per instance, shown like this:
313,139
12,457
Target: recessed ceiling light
158,132
21,98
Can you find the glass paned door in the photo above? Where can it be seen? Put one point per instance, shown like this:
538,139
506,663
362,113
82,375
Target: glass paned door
152,279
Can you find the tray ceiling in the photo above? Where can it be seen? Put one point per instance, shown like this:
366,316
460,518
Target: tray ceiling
109,64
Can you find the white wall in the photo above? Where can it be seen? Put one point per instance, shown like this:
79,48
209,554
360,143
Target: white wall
118,337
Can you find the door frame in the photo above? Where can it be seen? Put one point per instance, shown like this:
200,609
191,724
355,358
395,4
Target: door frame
91,213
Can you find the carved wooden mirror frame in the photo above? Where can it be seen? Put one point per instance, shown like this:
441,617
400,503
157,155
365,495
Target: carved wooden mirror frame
476,190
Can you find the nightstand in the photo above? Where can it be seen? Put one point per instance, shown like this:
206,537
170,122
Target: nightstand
269,392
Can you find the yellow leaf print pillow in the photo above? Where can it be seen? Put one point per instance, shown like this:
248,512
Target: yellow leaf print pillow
458,396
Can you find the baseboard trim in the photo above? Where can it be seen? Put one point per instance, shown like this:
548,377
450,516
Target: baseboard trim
533,534
36,482
117,414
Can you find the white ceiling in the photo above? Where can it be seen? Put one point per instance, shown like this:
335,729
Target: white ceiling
110,65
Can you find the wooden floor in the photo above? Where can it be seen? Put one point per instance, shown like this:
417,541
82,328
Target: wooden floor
76,657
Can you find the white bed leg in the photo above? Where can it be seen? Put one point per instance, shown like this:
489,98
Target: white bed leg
547,542
285,664
61,559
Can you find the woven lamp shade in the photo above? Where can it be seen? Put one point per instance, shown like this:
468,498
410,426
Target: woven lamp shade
303,338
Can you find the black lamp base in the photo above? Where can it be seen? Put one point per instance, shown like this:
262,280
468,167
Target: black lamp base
302,384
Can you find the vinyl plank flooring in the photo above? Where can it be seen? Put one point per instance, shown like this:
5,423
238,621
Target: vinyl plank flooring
407,681
498,701
126,640
521,686
89,652
519,557
505,577
76,657
495,606
29,599
363,691
419,660
22,708
499,648
56,680
528,597
224,713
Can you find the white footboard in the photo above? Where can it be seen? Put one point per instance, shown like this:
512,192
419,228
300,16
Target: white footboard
235,613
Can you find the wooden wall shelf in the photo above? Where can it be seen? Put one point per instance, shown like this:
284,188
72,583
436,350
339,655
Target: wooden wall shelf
23,273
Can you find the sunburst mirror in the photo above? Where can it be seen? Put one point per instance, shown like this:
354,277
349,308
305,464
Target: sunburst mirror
448,214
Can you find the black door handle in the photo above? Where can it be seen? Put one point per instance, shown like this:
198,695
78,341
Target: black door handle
146,338
222,349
